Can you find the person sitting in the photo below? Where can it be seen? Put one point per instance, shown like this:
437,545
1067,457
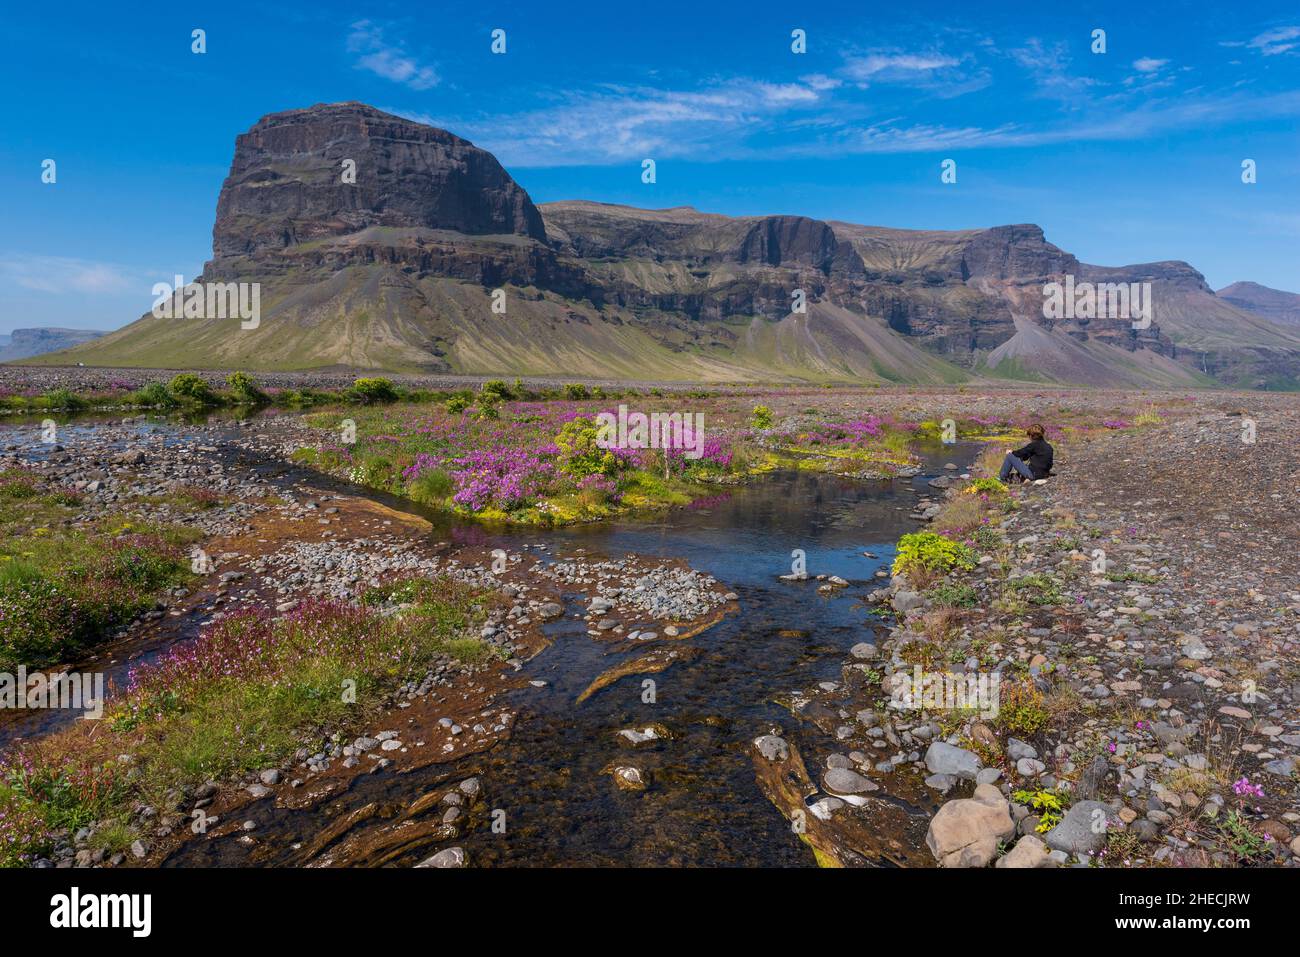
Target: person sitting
1034,461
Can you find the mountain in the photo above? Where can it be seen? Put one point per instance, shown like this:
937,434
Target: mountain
1282,308
399,270
25,343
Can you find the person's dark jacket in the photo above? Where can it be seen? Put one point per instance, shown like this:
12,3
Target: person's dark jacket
1038,456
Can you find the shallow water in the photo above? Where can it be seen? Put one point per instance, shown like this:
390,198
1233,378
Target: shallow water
703,806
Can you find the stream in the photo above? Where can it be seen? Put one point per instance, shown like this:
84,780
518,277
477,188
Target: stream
703,807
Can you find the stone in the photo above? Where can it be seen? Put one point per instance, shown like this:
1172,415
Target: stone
1029,852
629,778
1083,829
772,747
844,781
944,758
904,601
966,832
1017,749
448,857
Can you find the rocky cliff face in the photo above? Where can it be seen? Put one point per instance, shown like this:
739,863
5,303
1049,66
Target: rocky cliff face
398,270
287,182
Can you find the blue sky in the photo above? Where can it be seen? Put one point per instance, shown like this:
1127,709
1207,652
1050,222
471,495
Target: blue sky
1131,155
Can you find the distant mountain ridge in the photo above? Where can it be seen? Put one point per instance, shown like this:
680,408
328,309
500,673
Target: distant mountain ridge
398,270
26,343
1273,304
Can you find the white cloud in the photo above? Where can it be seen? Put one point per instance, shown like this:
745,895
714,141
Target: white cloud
58,275
820,82
1148,64
1278,40
388,60
1050,69
617,124
893,67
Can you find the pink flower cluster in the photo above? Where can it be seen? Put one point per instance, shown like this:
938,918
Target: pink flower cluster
505,477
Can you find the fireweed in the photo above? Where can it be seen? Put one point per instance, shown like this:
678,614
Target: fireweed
530,463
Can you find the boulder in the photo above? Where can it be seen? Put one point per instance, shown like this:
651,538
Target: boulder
1083,829
943,758
966,832
1029,851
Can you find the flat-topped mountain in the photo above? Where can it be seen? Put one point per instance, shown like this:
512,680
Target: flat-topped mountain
333,170
397,270
26,343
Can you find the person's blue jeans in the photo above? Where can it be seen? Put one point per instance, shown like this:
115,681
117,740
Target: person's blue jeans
1010,463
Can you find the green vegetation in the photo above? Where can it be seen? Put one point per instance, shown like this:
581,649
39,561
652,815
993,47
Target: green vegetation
494,390
953,595
244,696
986,486
580,455
931,552
1036,589
1046,804
63,588
244,389
371,391
187,388
1023,709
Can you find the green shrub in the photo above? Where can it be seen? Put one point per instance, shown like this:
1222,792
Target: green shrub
1046,804
1021,710
494,390
579,453
576,391
371,391
762,417
64,399
933,552
986,486
459,402
154,395
190,389
245,390
430,487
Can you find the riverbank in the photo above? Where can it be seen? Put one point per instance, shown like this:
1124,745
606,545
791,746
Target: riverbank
1126,643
